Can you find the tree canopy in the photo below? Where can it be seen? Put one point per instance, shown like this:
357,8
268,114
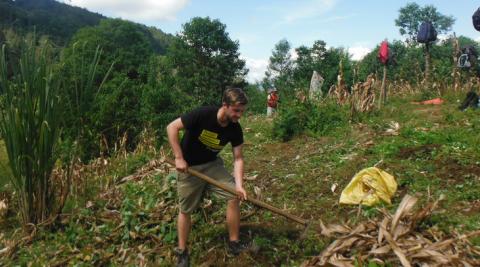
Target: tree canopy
205,60
412,15
280,66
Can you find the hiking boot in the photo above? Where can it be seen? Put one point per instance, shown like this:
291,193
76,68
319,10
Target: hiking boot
236,247
182,257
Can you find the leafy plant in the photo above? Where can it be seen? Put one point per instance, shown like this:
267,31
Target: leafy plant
30,126
296,118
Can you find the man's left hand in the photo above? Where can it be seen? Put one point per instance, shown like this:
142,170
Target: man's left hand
241,193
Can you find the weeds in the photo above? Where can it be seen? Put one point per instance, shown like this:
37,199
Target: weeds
308,117
434,154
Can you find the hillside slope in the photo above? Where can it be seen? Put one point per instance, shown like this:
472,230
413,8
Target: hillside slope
60,21
432,151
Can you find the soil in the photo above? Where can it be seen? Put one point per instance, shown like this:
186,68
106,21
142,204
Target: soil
423,151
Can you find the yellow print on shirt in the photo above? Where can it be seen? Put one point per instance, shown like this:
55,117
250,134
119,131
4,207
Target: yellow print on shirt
210,139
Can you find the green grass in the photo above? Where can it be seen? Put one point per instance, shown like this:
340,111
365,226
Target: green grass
4,169
435,153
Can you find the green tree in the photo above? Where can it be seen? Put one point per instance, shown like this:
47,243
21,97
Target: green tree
123,42
257,98
403,67
412,15
331,68
409,19
205,60
48,17
279,69
107,114
308,60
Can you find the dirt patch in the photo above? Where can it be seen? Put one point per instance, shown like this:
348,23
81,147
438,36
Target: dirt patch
470,208
259,253
453,170
423,151
430,112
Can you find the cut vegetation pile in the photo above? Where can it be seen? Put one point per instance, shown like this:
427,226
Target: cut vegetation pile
397,239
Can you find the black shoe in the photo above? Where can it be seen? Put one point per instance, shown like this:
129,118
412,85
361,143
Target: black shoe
237,247
182,257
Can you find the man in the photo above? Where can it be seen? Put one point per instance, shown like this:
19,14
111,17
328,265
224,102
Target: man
272,102
207,131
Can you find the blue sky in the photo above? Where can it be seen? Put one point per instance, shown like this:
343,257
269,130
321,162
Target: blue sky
258,25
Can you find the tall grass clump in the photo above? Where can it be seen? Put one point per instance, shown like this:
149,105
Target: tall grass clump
30,126
83,82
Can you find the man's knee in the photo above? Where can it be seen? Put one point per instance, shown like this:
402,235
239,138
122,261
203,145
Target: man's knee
184,215
234,202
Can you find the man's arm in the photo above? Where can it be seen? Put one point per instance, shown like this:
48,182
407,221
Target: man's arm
238,171
172,131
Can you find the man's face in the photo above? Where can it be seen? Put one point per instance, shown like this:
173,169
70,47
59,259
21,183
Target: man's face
234,112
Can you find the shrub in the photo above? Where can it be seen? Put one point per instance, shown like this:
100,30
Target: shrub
317,119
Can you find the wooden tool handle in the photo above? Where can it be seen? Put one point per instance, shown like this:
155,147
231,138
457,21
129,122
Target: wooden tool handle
234,192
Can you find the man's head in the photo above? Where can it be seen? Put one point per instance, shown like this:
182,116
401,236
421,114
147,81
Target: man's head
234,101
233,96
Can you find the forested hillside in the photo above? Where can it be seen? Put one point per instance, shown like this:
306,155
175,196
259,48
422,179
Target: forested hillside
47,17
60,21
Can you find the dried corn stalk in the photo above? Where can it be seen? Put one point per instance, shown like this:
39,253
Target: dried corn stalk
397,240
363,95
340,91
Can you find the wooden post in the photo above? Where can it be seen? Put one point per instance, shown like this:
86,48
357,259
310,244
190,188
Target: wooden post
383,90
427,65
455,72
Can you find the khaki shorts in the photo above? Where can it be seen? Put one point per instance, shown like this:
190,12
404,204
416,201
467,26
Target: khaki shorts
191,189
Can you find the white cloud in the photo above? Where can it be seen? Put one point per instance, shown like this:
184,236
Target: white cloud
293,54
477,39
311,9
443,37
139,10
358,52
337,18
257,68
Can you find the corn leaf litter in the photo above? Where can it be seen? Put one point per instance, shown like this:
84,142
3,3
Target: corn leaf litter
397,240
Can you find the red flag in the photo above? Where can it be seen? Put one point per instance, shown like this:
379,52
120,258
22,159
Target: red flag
383,52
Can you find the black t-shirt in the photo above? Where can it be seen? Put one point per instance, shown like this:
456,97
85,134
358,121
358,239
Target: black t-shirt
204,138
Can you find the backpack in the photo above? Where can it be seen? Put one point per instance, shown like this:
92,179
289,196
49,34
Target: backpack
426,33
467,57
471,100
476,19
383,54
464,62
272,100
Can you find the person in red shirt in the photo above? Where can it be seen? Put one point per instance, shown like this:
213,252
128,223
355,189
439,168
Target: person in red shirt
272,102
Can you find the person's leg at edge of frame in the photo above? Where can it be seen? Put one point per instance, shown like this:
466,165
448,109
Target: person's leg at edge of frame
233,219
269,111
183,227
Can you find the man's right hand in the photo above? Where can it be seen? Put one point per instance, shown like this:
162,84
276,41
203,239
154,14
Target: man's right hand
181,165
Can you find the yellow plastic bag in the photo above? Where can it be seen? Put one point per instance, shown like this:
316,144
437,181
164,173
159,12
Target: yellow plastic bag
368,187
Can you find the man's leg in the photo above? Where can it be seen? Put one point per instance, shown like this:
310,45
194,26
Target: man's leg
183,227
233,219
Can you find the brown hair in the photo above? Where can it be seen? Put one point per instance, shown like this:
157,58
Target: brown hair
233,96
